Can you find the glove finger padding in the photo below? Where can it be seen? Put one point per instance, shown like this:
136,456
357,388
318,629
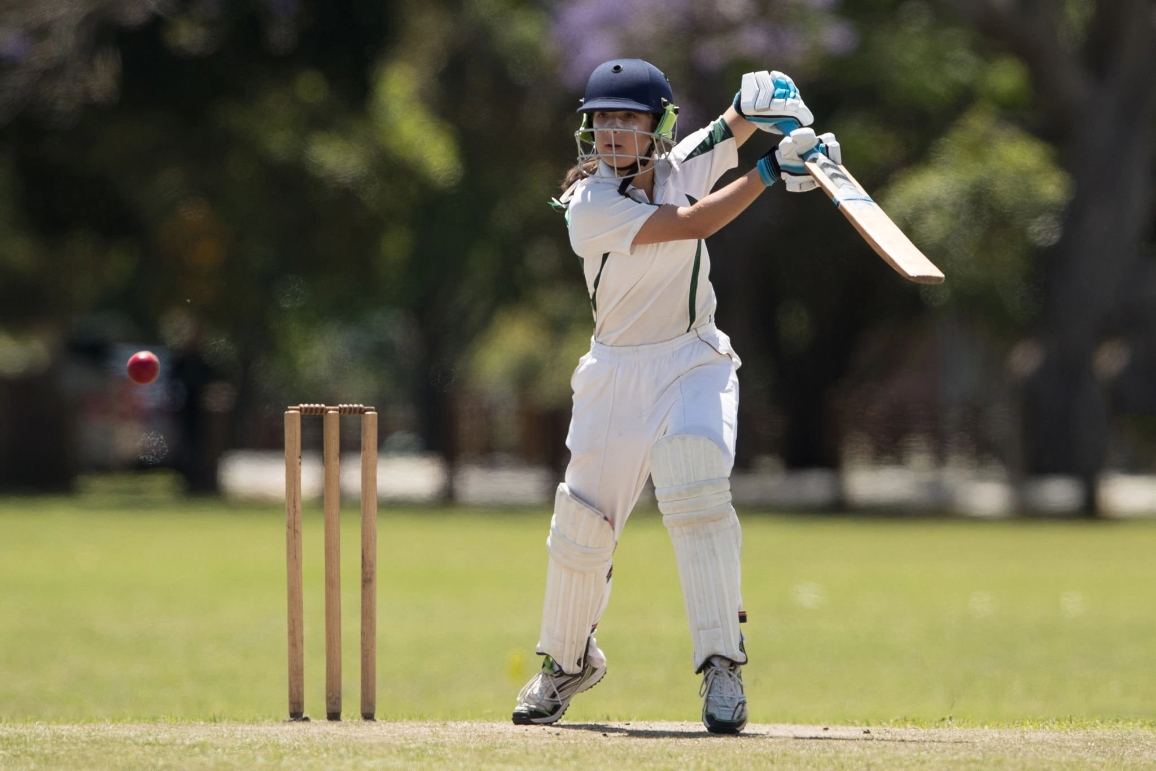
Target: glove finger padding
831,147
797,184
797,144
793,152
771,101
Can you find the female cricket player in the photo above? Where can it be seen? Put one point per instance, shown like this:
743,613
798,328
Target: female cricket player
658,393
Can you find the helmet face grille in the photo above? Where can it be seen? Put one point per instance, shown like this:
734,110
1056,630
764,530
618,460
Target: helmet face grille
656,147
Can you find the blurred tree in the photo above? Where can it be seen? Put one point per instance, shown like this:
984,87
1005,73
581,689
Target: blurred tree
987,198
333,193
347,199
474,247
526,357
281,177
165,205
1093,66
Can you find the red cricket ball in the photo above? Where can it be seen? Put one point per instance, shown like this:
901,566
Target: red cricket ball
143,367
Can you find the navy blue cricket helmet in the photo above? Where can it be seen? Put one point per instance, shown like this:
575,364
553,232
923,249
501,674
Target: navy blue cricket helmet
632,84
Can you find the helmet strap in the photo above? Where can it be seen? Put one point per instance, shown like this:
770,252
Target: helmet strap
634,169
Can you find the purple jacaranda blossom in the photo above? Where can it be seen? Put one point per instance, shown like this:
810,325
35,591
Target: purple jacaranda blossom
282,9
55,56
840,38
706,35
710,55
15,44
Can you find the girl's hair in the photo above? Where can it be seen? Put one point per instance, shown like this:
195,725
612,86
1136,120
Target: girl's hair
580,171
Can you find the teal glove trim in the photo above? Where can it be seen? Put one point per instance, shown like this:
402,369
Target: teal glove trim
768,167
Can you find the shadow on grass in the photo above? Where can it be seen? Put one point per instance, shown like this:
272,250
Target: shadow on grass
644,733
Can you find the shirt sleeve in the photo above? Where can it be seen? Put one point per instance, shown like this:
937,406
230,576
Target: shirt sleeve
704,156
603,220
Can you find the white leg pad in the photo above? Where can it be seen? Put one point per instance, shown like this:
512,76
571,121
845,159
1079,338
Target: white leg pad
694,496
580,544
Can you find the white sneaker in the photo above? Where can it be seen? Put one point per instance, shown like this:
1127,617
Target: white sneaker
724,705
545,698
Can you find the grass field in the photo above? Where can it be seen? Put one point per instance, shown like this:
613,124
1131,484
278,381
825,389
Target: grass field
477,745
161,610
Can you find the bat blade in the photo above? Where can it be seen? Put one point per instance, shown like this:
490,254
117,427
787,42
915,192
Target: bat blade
873,224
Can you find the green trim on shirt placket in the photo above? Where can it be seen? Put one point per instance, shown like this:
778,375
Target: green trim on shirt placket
694,275
694,286
594,297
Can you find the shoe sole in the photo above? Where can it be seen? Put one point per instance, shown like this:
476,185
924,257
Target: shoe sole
721,727
549,720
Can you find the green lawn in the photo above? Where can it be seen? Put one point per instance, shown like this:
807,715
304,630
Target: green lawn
160,610
569,745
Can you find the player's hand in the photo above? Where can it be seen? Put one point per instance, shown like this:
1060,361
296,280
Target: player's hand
794,150
771,101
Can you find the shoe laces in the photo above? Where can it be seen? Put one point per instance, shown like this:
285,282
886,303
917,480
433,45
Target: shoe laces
543,686
724,683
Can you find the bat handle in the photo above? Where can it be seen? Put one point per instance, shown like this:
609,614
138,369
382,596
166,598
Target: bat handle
786,125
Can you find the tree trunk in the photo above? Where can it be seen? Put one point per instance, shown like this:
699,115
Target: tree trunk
1066,414
809,440
435,399
36,441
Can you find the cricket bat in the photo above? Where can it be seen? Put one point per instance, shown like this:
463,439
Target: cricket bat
872,223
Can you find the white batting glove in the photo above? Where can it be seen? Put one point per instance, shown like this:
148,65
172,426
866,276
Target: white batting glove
771,101
796,148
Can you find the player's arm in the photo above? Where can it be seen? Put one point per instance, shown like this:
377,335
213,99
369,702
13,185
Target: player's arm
706,217
740,127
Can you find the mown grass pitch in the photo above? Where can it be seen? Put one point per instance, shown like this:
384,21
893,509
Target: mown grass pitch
136,611
478,745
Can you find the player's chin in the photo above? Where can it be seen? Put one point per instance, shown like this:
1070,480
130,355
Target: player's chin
619,162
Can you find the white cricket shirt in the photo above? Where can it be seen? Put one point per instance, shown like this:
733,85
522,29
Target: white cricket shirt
653,292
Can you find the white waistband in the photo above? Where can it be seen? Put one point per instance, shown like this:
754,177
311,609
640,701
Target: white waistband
602,350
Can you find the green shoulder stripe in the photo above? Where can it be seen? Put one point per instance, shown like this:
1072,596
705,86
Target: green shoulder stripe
719,131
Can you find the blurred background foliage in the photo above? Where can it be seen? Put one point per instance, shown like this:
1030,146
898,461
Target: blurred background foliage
986,199
346,201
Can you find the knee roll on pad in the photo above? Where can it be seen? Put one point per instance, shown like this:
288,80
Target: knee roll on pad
693,492
580,544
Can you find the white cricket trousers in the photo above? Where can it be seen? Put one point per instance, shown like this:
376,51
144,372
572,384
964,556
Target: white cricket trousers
626,398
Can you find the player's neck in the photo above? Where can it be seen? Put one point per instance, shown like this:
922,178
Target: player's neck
645,182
